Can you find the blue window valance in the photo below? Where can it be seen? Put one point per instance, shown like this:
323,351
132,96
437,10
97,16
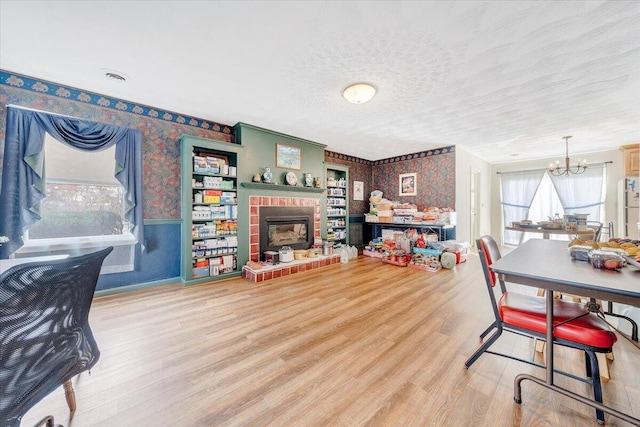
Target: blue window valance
23,167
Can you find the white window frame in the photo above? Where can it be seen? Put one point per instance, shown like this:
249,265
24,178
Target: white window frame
75,243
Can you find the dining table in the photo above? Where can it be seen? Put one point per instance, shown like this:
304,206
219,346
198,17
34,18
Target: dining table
547,264
546,232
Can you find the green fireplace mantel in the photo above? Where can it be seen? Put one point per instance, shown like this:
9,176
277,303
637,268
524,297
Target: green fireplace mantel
277,187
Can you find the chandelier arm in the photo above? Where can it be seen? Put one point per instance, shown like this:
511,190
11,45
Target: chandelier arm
557,171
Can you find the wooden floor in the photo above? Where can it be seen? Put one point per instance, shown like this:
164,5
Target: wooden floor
357,344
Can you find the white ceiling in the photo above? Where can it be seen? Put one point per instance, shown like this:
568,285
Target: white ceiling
501,78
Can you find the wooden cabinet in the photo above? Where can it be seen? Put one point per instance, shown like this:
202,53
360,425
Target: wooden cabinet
336,215
209,210
631,156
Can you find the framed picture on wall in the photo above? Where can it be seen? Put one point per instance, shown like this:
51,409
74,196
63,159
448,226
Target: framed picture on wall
288,157
408,184
358,190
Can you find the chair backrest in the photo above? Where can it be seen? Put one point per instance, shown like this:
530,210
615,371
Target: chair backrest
610,229
597,227
489,252
45,338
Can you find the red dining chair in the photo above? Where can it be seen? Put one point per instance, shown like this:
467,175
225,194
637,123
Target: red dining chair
575,325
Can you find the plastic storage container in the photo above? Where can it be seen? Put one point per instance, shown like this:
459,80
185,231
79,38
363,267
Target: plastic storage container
286,254
580,252
607,260
448,260
344,254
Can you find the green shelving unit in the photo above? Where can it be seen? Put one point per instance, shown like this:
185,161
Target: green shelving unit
209,210
335,217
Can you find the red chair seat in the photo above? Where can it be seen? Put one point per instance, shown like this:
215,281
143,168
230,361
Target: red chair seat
529,312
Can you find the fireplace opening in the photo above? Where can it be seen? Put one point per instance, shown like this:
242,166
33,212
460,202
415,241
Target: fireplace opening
285,226
289,232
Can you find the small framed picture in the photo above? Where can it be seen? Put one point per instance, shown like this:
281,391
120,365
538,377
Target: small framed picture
408,185
288,157
358,190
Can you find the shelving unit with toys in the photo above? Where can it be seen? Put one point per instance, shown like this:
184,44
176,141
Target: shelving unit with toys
417,250
336,215
209,210
387,215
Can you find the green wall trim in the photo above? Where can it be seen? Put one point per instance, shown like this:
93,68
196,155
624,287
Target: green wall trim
278,134
162,221
223,145
212,279
136,287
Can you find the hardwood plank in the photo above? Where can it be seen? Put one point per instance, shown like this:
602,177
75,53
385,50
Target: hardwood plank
357,344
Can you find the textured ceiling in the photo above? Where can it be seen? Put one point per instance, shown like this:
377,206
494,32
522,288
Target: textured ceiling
505,80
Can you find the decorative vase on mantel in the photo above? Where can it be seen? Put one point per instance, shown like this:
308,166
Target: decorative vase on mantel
267,175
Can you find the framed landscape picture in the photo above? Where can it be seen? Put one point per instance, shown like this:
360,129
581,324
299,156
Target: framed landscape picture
408,185
288,157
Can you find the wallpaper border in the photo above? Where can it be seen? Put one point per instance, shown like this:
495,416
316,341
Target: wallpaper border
41,86
334,155
418,155
394,159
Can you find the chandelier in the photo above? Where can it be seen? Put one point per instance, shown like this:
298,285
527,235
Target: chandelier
567,170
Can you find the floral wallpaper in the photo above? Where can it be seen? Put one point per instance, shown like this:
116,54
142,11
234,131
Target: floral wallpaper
435,171
161,131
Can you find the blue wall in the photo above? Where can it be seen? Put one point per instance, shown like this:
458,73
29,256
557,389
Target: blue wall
160,261
161,130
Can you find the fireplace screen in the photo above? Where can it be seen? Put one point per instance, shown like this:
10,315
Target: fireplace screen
286,226
287,234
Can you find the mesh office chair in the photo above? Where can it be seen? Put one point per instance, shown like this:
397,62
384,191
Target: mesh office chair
574,325
45,338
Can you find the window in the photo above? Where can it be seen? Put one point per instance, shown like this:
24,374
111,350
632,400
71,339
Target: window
83,207
83,198
546,203
583,193
24,167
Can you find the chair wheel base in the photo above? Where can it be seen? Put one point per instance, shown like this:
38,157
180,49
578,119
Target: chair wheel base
518,401
47,422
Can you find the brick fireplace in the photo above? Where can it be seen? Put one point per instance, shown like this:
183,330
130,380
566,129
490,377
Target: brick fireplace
291,226
255,202
282,269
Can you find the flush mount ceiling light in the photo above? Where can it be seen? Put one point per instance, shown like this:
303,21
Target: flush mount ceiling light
359,93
